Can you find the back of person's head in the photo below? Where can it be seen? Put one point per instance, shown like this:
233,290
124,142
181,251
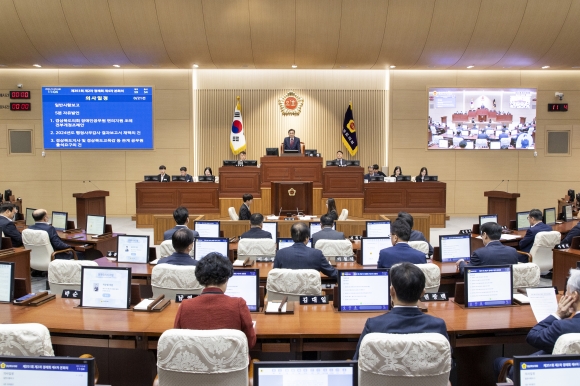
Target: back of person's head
7,206
181,239
326,221
401,229
38,214
407,218
491,229
183,169
213,269
331,205
300,232
408,281
574,282
536,214
247,197
180,215
256,219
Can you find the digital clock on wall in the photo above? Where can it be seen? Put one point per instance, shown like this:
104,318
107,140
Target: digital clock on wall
19,94
20,106
558,107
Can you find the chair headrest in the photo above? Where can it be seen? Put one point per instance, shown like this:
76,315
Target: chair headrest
62,271
34,237
294,281
25,339
547,239
175,277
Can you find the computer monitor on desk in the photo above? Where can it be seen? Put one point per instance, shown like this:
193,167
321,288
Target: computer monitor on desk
250,163
245,284
488,286
151,178
403,178
299,373
205,245
207,228
567,213
550,216
522,222
6,282
178,178
95,225
228,162
485,218
376,178
431,178
273,151
29,219
315,227
378,229
206,178
364,290
454,247
59,220
286,242
371,248
26,371
271,227
561,370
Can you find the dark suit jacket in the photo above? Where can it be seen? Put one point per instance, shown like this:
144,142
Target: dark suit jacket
403,320
368,176
326,234
528,240
166,178
212,310
296,145
340,162
256,233
178,259
299,256
167,235
399,253
244,213
418,179
419,236
482,136
545,334
55,241
573,233
495,253
10,230
188,178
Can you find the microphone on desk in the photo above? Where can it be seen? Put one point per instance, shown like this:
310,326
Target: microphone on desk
498,184
92,183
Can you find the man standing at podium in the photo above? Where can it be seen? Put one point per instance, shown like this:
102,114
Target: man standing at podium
245,213
291,142
162,177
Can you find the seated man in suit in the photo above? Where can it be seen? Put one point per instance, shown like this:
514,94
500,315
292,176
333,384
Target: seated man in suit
377,172
400,251
256,231
536,225
493,251
181,217
183,172
291,142
573,233
162,177
415,235
503,133
339,161
40,217
7,213
244,213
370,174
326,232
299,256
482,135
182,241
407,287
241,158
565,320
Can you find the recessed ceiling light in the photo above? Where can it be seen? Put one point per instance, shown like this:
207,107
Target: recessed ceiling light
392,66
116,65
544,67
36,65
294,66
195,65
470,66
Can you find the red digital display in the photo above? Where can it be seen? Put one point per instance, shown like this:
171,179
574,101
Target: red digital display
19,106
558,107
19,94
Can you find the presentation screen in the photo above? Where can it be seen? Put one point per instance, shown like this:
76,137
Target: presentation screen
86,117
481,119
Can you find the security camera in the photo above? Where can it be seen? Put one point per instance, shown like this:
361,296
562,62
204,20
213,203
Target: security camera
19,85
560,95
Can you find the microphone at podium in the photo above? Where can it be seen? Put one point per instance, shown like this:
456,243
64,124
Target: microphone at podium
92,183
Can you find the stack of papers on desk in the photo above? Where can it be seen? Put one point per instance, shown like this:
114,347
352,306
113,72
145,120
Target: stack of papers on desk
272,217
510,237
273,307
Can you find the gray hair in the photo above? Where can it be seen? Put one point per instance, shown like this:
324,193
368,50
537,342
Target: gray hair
574,281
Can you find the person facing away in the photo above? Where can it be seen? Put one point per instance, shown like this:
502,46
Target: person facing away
182,241
40,217
244,213
415,234
536,226
256,231
400,251
331,209
407,287
326,232
299,256
213,310
181,217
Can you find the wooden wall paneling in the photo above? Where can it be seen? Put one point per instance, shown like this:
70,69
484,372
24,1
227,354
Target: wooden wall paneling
551,80
32,79
437,220
4,138
351,227
164,222
318,208
353,205
421,222
410,105
234,228
419,80
174,134
172,104
34,113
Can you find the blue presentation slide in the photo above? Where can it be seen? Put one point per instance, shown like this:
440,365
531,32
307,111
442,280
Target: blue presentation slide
116,118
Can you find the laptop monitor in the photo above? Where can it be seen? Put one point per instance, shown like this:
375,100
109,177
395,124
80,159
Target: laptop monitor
154,178
487,218
271,227
178,178
550,216
105,287
289,151
316,227
95,225
546,370
133,249
431,178
206,245
245,284
301,373
494,144
228,162
364,290
207,228
29,220
371,247
206,178
376,178
522,221
272,151
567,213
403,178
331,163
285,242
251,163
59,220
454,247
488,286
378,229
47,371
6,282
354,162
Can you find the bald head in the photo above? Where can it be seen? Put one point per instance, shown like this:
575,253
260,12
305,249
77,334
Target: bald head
39,215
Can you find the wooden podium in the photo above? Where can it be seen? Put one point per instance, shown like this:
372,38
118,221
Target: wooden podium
90,203
291,195
502,203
